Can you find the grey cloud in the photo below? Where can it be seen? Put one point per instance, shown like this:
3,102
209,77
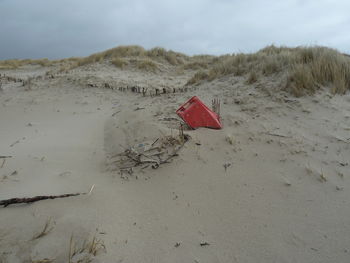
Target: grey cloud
54,29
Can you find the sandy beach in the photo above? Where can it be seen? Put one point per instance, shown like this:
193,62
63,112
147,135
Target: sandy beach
271,186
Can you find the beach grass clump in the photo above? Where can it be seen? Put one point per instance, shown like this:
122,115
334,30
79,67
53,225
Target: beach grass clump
43,62
17,63
196,65
317,67
125,52
84,250
199,76
119,62
147,65
173,58
9,64
300,70
252,77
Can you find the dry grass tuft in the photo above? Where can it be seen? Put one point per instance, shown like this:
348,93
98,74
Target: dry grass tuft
173,58
119,62
115,54
46,229
82,252
270,66
196,65
124,51
199,76
300,80
43,62
17,63
10,64
319,67
252,77
64,68
147,65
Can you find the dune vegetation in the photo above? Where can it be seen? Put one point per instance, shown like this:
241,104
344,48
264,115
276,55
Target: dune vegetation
119,62
300,70
16,63
116,54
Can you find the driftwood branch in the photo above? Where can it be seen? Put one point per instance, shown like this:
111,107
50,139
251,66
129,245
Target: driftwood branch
27,200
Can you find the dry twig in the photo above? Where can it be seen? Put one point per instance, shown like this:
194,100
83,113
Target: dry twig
135,158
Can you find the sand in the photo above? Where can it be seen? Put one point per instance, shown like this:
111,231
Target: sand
271,186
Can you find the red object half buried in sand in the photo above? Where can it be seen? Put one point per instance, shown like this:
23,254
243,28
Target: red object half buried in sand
196,114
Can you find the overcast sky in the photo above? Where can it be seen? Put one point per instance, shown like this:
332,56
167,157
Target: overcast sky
64,28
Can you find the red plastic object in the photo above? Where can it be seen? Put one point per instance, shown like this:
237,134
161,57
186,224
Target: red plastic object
196,114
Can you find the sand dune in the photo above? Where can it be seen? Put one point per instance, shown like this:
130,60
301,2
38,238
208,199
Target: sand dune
271,186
